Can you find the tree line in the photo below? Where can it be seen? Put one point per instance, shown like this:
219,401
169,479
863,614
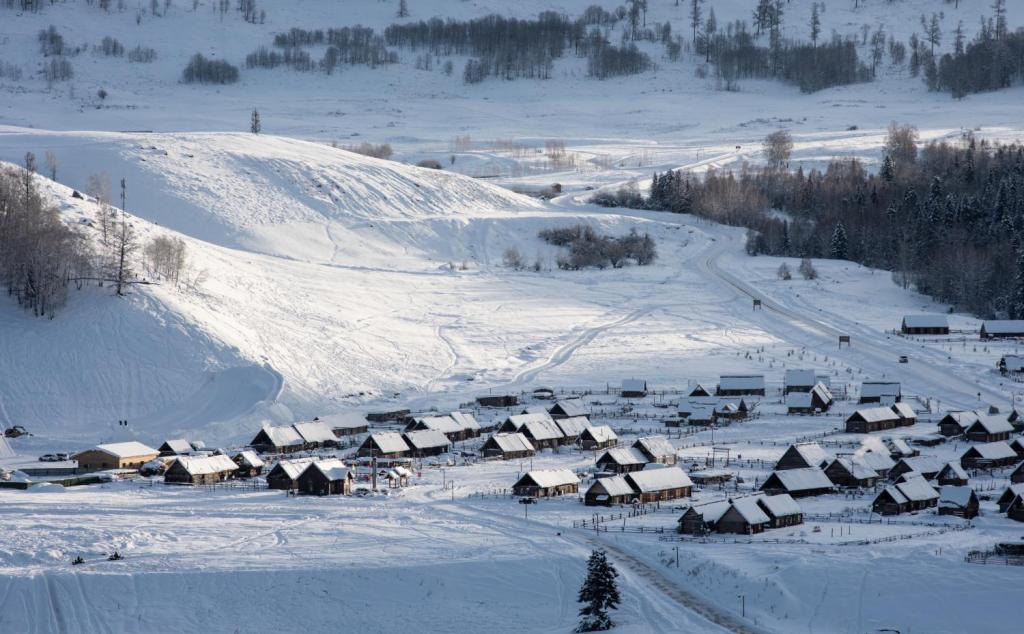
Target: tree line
589,249
946,218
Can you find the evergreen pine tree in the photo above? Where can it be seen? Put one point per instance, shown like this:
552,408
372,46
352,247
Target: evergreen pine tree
888,172
254,122
598,594
837,245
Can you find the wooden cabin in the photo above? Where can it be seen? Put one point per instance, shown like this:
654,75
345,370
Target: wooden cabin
700,391
799,381
277,440
610,491
743,517
906,414
898,448
119,455
633,388
740,385
384,444
956,423
1008,495
200,470
1015,510
913,494
960,501
600,437
668,483
926,466
798,482
285,474
989,456
881,463
816,400
249,464
782,510
1018,474
621,460
925,325
426,442
498,400
345,424
952,474
883,392
326,477
546,483
315,434
507,446
872,419
1002,329
572,428
657,449
568,409
850,472
176,447
802,456
989,428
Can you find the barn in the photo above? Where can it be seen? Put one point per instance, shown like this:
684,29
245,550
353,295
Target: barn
925,325
600,437
960,501
989,428
634,388
851,472
872,419
176,447
507,446
572,428
326,477
426,442
200,470
884,392
798,482
817,399
656,449
544,483
285,474
1002,328
282,439
952,474
568,409
383,444
988,456
667,483
782,510
802,456
118,455
249,464
740,385
621,460
610,491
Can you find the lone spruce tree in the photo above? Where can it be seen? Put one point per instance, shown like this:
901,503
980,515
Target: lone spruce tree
837,246
598,594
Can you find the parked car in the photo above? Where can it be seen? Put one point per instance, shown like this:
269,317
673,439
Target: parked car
904,359
63,456
49,457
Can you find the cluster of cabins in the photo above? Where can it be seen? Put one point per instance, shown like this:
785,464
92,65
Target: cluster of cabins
934,324
742,515
422,437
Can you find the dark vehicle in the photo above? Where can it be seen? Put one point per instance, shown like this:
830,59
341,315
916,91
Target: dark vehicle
904,359
49,457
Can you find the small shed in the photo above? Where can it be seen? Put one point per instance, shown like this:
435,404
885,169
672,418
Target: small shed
599,437
498,400
960,501
925,325
1011,364
634,388
899,448
546,483
798,482
906,414
507,446
700,390
326,477
817,399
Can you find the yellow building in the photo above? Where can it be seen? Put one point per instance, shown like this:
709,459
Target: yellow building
120,455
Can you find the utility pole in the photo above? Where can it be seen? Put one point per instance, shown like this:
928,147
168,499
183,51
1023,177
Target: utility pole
743,605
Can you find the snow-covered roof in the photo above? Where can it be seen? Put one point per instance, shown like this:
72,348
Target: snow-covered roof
823,392
179,445
879,388
812,453
465,420
798,399
542,429
779,505
634,385
702,412
623,456
801,378
602,433
965,419
251,458
389,441
571,407
899,446
315,431
992,424
712,511
700,388
877,460
1003,326
876,414
332,468
904,410
926,321
856,467
615,485
545,478
741,382
512,442
1013,362
130,449
426,439
917,489
443,424
803,479
284,436
954,469
348,419
657,446
294,468
923,464
573,426
952,496
660,479
995,450
518,420
896,495
205,465
749,509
